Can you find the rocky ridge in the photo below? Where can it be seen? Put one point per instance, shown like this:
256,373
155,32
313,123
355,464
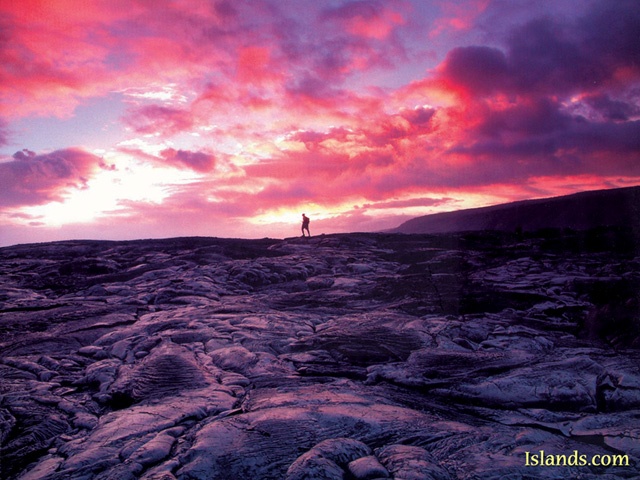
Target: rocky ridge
615,207
355,356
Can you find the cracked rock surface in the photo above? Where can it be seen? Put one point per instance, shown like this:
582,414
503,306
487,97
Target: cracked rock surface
350,356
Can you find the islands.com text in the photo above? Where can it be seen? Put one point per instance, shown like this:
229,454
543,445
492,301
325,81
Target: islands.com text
574,459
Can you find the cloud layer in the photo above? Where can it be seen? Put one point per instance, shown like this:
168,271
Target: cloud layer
250,112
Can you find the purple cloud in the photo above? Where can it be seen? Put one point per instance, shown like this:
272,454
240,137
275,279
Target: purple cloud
31,179
4,133
536,117
198,161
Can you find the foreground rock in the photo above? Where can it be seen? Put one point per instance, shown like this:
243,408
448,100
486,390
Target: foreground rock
348,356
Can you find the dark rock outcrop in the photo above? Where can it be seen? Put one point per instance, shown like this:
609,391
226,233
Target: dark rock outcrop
619,207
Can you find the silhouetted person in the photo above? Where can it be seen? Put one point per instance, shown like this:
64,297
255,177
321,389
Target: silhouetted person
305,225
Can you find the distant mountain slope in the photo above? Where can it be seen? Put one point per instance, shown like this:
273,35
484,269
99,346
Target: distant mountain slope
580,211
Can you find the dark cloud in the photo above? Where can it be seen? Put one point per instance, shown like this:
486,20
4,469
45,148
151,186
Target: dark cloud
552,55
225,9
31,179
367,10
480,70
579,149
543,57
557,99
535,117
610,33
611,109
593,137
538,59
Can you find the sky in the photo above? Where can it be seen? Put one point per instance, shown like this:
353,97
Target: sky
129,119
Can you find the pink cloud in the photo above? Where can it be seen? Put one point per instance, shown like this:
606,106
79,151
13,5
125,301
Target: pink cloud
53,54
457,16
255,65
189,211
404,153
156,119
413,202
368,19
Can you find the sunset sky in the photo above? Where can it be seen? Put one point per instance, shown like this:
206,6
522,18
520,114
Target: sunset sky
124,119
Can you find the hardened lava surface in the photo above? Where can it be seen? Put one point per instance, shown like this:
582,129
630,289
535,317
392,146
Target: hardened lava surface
350,356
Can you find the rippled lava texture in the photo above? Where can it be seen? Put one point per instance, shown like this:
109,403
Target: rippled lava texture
353,356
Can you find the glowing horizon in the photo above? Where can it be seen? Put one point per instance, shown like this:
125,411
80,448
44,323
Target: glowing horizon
230,119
